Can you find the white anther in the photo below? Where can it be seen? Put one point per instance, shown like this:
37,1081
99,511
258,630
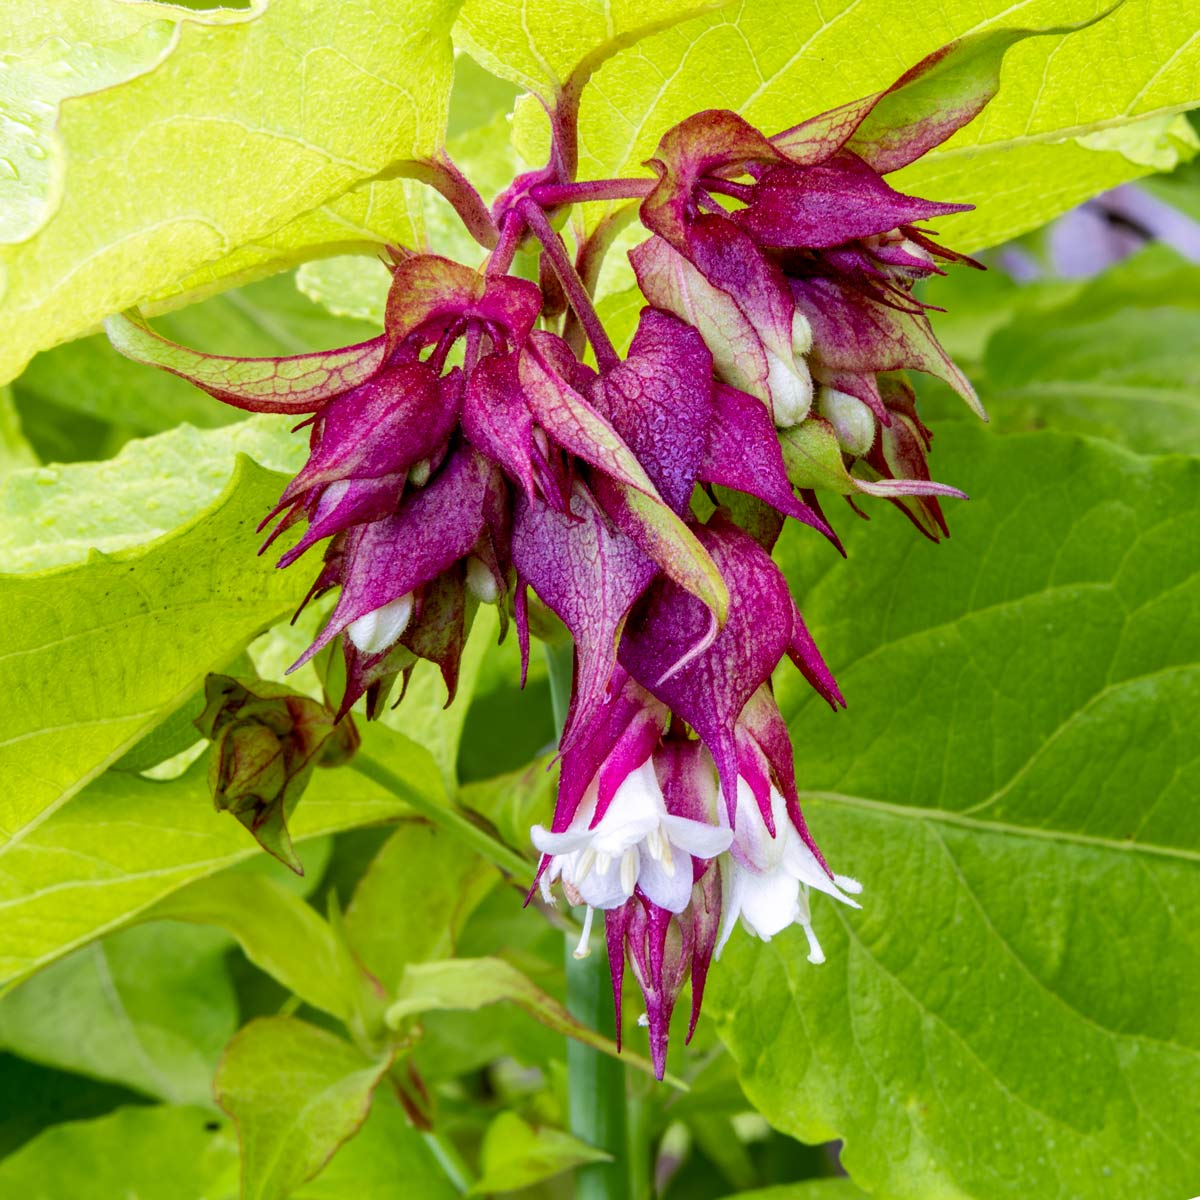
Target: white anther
587,860
629,871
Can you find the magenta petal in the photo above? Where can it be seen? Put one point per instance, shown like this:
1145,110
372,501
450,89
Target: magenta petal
742,452
589,574
430,294
343,505
854,332
711,689
705,143
830,203
435,527
622,736
439,631
705,915
496,419
686,774
397,418
616,928
729,259
802,650
660,401
297,383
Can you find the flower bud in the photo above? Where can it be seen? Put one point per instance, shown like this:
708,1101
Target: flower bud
851,419
377,630
791,390
481,583
802,334
266,741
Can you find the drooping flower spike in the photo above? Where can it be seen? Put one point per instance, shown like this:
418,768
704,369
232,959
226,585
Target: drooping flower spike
470,455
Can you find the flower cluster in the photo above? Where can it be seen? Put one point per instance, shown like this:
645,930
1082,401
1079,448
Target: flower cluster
470,455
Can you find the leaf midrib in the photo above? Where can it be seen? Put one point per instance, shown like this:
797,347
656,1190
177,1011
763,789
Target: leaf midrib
1004,828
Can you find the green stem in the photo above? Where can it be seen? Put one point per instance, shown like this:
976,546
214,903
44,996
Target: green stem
595,1082
449,1159
453,820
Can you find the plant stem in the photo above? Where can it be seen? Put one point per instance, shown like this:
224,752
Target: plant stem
551,194
595,1082
449,1159
581,302
453,820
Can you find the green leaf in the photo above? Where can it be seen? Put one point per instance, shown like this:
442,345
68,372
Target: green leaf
386,1160
160,1153
54,516
150,1008
424,715
34,1097
413,900
230,129
126,842
99,653
1021,162
540,44
516,801
1013,1011
296,1093
279,932
467,985
812,1189
15,450
515,1155
1120,361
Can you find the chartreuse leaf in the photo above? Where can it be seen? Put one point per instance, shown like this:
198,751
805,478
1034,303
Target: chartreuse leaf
515,1155
15,450
97,654
539,44
125,842
56,516
159,1153
469,984
1014,1011
229,128
279,933
1030,156
386,1160
414,899
296,1093
150,1008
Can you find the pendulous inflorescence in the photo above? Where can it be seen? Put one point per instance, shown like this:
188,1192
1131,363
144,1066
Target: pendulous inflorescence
474,454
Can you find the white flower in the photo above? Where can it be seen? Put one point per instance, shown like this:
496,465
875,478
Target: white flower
766,880
636,844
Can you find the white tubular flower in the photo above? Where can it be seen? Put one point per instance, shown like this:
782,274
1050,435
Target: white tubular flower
636,844
377,630
766,880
